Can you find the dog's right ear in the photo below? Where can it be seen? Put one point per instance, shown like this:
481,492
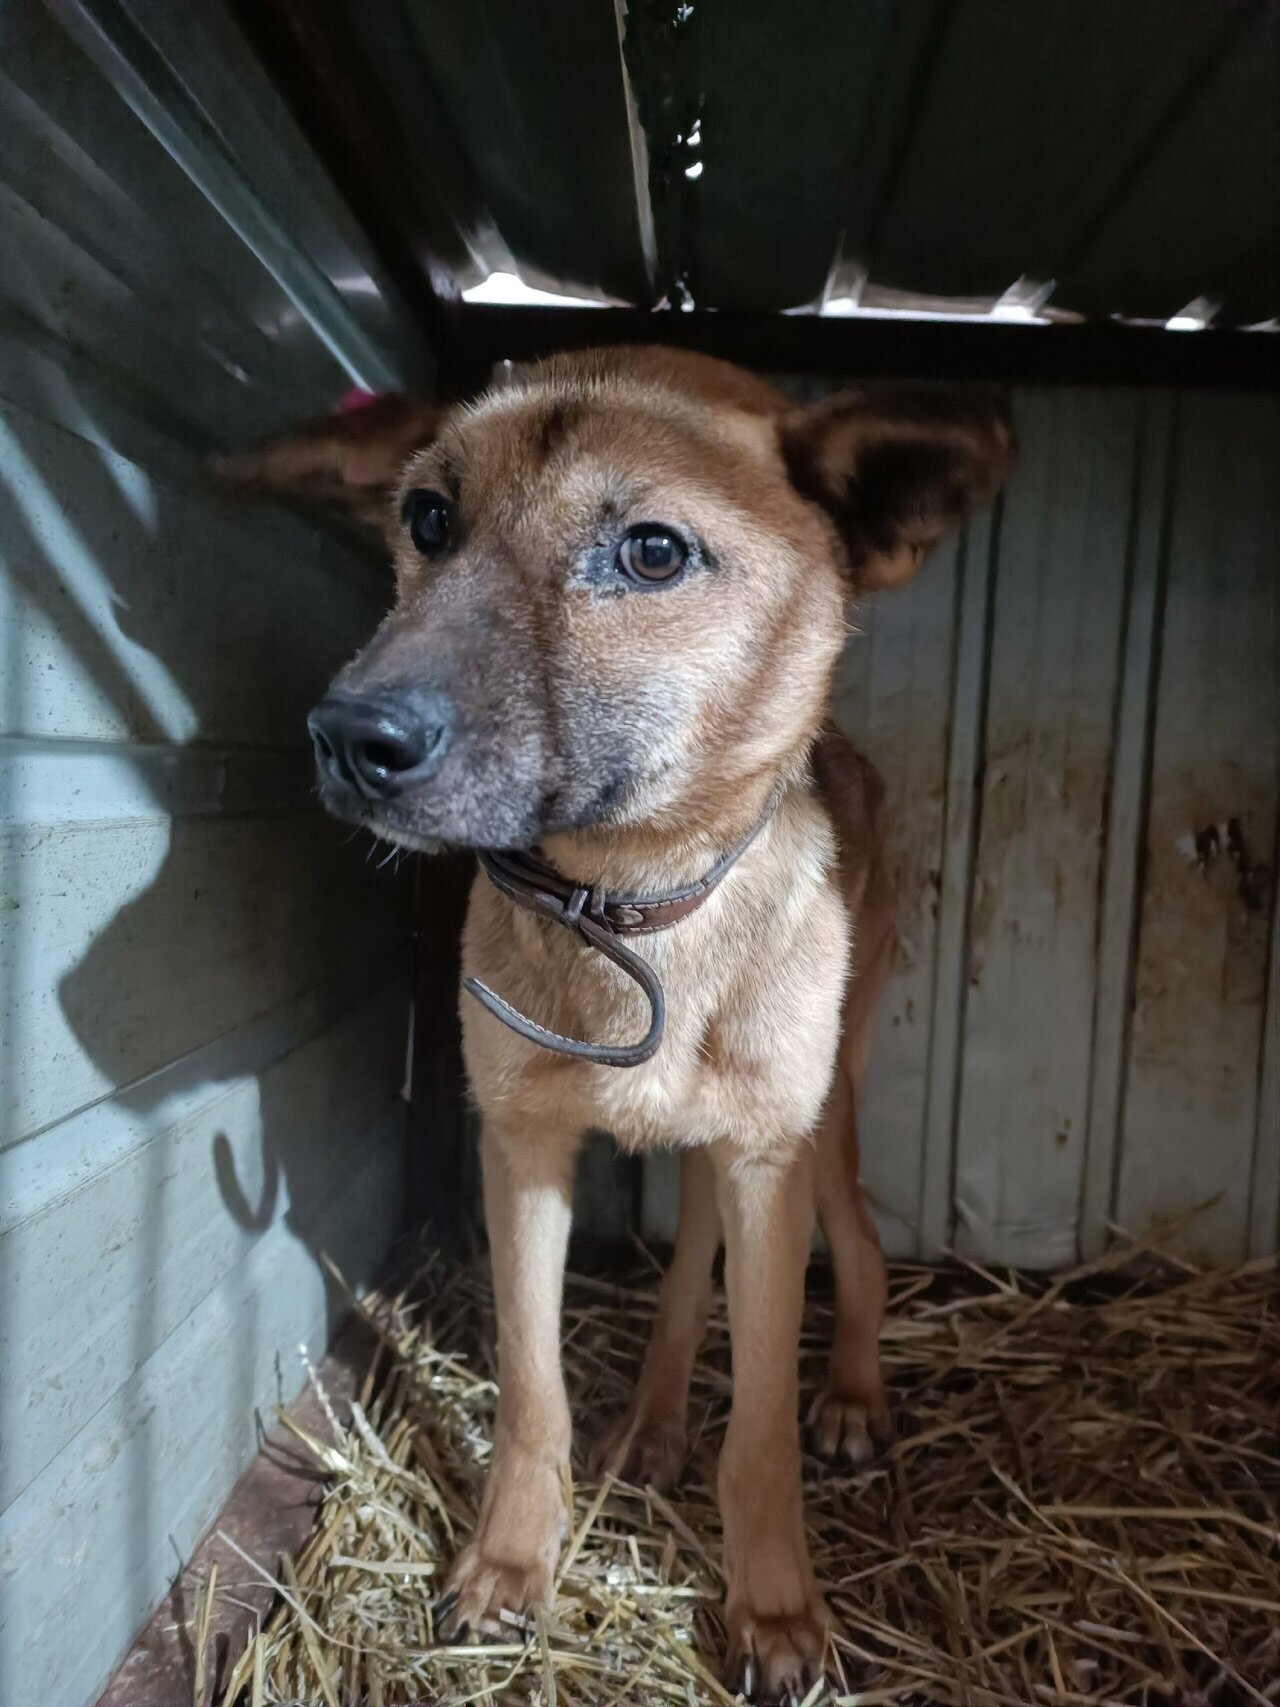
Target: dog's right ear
898,467
350,459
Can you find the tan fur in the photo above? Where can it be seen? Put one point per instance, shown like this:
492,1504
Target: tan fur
648,1443
707,696
343,460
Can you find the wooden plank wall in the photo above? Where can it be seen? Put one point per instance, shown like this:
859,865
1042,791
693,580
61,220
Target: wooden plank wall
1075,708
203,994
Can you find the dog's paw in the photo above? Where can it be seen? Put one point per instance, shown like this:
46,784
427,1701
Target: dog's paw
653,1456
480,1589
776,1657
841,1425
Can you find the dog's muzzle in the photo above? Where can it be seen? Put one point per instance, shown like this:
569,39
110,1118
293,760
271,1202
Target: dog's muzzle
377,748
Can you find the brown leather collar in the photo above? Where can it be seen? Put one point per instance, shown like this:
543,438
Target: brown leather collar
600,918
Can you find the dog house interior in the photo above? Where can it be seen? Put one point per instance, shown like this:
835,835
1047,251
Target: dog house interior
232,1100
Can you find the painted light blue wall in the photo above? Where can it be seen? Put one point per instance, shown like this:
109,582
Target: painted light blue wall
202,992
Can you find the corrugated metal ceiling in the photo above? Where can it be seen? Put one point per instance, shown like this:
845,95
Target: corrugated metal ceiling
769,154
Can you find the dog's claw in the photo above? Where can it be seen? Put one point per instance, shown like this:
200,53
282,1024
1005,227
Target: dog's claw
777,1659
483,1590
441,1614
841,1425
654,1452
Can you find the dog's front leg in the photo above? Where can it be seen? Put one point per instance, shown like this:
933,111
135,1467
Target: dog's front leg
648,1443
511,1559
775,1617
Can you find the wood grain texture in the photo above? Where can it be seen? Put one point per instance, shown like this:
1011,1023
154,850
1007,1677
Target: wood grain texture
1024,1076
127,1500
203,993
1080,1026
893,697
112,1262
1191,1111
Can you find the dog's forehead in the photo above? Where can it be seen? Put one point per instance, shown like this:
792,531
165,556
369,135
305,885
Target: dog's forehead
615,422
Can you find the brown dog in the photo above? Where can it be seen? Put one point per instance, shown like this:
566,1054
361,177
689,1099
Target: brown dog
648,1443
622,583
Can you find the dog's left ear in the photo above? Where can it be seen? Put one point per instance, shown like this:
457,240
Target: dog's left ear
350,458
898,468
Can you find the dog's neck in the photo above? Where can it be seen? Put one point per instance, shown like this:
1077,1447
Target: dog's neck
675,848
604,888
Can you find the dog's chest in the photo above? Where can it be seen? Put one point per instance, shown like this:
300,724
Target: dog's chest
747,1050
569,989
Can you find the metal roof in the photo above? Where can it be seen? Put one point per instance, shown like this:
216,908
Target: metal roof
1095,158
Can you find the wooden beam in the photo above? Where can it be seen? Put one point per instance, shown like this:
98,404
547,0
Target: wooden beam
1103,354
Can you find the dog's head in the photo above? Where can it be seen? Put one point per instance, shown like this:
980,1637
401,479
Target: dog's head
621,581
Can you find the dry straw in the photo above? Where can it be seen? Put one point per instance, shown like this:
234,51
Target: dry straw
1081,1506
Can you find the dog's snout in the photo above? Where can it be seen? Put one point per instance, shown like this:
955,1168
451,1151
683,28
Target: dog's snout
380,746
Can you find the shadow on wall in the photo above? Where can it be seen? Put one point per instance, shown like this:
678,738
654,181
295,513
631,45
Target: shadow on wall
256,929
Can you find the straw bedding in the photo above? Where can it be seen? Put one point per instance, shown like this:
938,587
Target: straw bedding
1081,1505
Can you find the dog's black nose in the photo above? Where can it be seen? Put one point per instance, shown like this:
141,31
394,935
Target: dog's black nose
380,746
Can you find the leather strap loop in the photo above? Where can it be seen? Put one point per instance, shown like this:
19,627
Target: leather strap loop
603,1054
599,919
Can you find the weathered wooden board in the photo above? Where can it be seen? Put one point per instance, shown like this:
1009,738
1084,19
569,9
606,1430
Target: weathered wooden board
94,1541
119,582
202,991
103,1267
1032,933
1074,1032
1192,1118
893,698
1264,1207
133,943
965,729
1124,831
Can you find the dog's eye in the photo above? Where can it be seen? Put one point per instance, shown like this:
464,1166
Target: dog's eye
428,518
650,554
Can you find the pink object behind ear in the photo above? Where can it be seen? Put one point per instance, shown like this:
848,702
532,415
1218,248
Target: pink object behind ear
358,398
